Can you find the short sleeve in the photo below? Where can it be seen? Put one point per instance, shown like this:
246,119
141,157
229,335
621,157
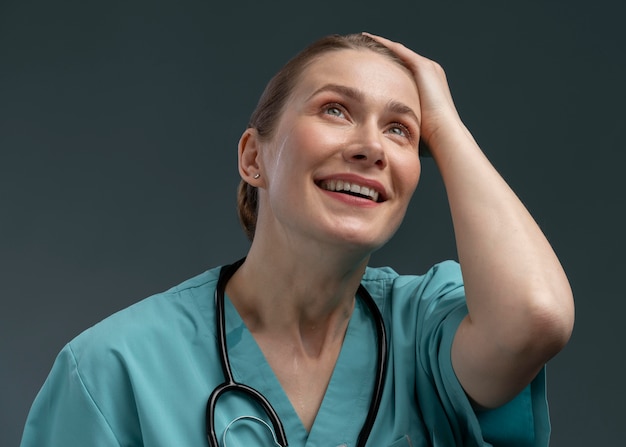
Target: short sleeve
64,414
522,422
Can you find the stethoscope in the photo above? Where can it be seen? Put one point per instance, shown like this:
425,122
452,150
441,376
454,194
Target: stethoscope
230,384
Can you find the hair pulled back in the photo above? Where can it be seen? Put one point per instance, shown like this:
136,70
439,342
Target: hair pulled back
271,103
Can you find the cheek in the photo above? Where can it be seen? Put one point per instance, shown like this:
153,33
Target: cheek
317,137
289,159
408,171
306,145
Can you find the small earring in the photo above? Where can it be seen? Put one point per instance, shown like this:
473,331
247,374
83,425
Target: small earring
256,176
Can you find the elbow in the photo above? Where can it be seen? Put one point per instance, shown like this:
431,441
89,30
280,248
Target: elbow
548,327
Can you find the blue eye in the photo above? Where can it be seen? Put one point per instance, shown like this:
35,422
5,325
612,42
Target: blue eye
333,111
400,130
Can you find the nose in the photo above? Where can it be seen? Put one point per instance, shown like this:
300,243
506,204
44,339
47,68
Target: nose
366,147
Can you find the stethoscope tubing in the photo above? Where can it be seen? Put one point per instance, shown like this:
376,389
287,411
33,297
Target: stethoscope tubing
231,385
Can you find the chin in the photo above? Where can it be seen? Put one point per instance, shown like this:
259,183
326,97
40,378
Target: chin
357,241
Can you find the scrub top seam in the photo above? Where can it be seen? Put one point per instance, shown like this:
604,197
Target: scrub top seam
88,393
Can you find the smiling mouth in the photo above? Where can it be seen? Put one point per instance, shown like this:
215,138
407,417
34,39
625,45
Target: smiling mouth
352,189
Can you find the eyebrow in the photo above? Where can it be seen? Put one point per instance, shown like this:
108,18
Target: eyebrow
402,109
352,93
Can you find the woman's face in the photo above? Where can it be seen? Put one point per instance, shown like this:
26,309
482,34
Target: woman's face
343,161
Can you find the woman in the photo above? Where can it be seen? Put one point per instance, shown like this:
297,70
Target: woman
328,164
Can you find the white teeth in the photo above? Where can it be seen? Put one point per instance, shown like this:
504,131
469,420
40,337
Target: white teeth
340,185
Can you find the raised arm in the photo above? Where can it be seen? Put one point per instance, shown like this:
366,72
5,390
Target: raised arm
521,310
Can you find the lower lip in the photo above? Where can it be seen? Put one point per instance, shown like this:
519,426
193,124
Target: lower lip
351,200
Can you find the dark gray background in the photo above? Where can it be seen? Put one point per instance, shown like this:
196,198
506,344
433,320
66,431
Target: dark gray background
118,129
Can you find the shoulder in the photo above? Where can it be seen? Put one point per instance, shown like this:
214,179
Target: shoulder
415,307
440,279
172,314
118,372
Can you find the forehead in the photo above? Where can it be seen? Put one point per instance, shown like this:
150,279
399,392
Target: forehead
363,69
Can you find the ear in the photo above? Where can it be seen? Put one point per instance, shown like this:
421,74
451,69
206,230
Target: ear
249,158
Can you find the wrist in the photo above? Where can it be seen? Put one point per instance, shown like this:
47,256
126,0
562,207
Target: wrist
446,140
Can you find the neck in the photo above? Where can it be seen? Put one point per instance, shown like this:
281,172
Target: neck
305,296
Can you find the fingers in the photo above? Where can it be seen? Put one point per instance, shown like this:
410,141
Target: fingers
388,43
437,107
402,51
407,55
417,63
429,75
384,41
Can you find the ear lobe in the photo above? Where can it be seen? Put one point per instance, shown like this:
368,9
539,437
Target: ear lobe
248,158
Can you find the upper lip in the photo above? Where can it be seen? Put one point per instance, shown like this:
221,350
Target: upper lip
373,185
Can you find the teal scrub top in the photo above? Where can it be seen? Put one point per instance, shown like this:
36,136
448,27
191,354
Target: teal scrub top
142,377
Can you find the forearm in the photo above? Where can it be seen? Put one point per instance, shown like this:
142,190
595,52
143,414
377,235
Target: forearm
518,296
510,271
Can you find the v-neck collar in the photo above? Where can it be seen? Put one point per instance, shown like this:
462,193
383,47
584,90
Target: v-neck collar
347,398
